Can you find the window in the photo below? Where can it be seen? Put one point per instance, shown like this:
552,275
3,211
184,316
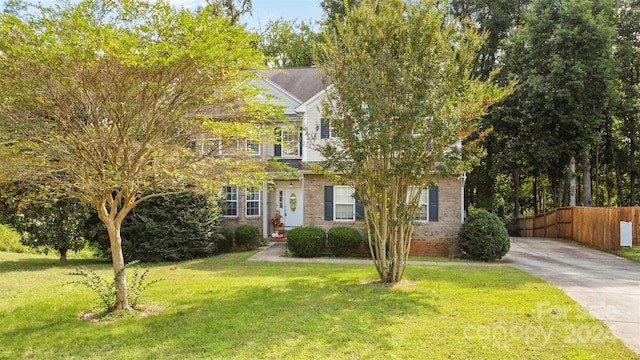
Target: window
228,146
205,146
216,146
253,148
344,203
325,129
422,214
231,201
253,202
290,143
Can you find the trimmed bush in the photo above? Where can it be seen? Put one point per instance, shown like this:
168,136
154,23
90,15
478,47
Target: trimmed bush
343,241
247,236
226,243
306,241
174,227
483,236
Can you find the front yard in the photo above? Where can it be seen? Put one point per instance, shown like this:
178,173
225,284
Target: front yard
225,307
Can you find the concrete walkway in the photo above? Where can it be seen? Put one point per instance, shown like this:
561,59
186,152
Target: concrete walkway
606,285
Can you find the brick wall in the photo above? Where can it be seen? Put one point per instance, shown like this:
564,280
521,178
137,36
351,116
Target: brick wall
241,219
431,238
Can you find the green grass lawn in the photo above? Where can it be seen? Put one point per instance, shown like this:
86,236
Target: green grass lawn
632,253
227,308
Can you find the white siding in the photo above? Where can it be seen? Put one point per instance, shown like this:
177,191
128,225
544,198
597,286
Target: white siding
312,129
279,96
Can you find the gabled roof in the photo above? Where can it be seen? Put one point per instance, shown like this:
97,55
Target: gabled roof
302,82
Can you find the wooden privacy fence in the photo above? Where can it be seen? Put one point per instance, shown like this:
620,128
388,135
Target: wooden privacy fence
598,227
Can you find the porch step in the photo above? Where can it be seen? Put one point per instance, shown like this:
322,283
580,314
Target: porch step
278,239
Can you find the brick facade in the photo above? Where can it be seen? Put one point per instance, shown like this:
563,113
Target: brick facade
242,218
437,238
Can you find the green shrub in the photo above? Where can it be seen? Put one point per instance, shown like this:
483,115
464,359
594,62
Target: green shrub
343,241
10,241
306,241
174,227
226,243
247,236
483,236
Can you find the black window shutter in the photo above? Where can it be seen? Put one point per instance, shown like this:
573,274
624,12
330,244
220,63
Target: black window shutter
324,129
433,203
328,202
277,149
359,210
300,142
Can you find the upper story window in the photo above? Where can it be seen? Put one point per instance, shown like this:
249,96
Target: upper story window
325,129
253,147
225,146
290,144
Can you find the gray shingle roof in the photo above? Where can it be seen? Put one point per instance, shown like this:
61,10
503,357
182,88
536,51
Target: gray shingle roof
303,82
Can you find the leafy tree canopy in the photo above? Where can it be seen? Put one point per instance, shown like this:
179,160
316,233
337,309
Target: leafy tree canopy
100,99
402,97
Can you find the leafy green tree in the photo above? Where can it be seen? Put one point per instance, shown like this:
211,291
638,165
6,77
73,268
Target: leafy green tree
232,10
58,225
100,100
337,10
627,56
562,59
401,100
496,19
289,43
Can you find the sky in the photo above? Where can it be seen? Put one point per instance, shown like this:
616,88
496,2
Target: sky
265,10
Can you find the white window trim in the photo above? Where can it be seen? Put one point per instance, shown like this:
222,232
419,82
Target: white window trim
329,129
224,151
231,201
247,201
296,133
249,150
421,203
216,146
335,203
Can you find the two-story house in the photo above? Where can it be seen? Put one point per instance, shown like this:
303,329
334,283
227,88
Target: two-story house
312,199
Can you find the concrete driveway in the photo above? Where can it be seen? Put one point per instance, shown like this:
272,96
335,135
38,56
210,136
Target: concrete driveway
606,285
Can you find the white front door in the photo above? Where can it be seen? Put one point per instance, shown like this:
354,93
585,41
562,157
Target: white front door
289,202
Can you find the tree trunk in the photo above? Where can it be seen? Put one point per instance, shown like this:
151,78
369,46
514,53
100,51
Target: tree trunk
117,257
621,200
607,183
586,179
63,256
572,181
555,193
389,241
596,175
113,229
567,186
632,171
516,194
535,195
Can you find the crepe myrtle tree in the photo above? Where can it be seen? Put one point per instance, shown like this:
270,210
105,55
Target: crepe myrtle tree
401,100
101,100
